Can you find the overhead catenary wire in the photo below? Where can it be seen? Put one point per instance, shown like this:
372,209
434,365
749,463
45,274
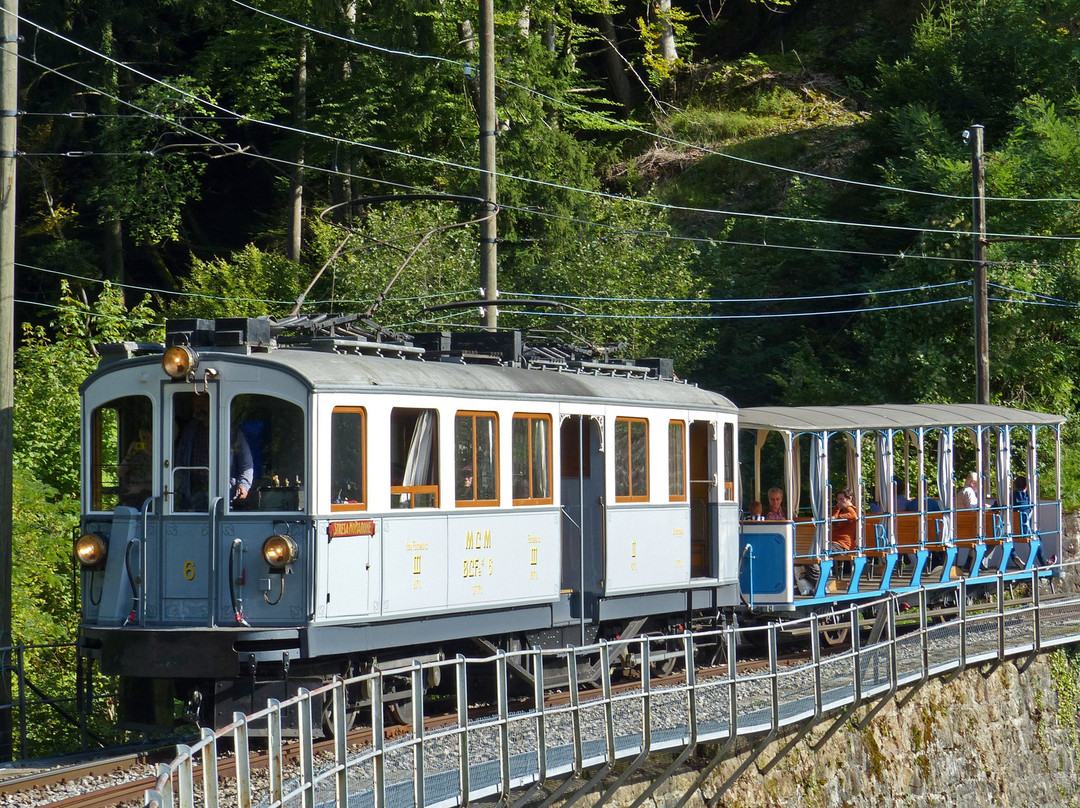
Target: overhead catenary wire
902,255
513,178
640,130
233,298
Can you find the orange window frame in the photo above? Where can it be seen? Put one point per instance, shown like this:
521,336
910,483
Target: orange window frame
361,504
632,478
475,501
529,420
681,470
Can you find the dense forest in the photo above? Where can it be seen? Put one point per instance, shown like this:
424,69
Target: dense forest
776,193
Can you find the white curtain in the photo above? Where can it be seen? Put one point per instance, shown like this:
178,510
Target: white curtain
883,472
795,494
540,459
819,489
1003,482
418,463
946,489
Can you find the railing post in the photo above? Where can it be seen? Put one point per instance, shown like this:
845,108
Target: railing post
241,749
815,653
961,595
856,656
774,667
378,741
646,695
273,750
209,769
187,777
460,673
893,604
341,748
307,752
1001,616
609,718
541,717
924,640
733,691
691,685
575,709
417,686
1037,609
165,794
502,684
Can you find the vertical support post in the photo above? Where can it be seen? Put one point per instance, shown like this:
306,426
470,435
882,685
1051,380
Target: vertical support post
961,594
273,751
378,741
978,226
502,682
774,676
856,656
417,695
488,123
460,672
209,768
1037,626
575,708
341,749
187,776
9,103
307,751
1001,616
241,748
815,653
541,717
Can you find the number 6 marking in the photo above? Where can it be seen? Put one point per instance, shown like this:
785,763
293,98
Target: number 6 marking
189,570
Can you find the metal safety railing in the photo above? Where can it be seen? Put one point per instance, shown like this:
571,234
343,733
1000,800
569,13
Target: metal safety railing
521,743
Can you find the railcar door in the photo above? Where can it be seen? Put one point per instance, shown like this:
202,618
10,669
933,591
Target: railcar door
703,490
185,554
582,480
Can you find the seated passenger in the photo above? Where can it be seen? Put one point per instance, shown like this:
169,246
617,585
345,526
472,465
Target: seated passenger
755,512
842,539
969,494
776,506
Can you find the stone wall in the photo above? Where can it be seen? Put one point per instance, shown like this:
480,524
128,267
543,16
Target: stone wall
1002,735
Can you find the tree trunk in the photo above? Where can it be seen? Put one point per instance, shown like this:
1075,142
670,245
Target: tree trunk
296,178
342,182
614,64
667,36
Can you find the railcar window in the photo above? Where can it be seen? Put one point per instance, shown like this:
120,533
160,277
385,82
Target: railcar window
677,461
631,459
476,455
121,453
272,467
414,458
347,459
532,459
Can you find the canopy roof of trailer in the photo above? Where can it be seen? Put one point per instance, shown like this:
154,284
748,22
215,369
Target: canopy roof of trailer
889,416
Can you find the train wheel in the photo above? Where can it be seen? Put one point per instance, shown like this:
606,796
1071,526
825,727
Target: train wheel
328,718
837,634
400,711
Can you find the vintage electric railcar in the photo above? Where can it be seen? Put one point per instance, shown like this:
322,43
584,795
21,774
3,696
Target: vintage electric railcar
261,512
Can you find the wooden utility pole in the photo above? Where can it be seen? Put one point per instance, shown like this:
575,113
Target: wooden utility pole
978,226
489,275
9,105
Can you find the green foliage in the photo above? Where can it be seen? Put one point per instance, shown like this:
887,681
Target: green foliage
249,284
48,371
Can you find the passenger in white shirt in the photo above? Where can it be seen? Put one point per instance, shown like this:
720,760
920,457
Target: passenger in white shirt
969,496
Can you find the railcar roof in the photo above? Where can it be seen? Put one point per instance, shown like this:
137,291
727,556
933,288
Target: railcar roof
326,371
890,416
